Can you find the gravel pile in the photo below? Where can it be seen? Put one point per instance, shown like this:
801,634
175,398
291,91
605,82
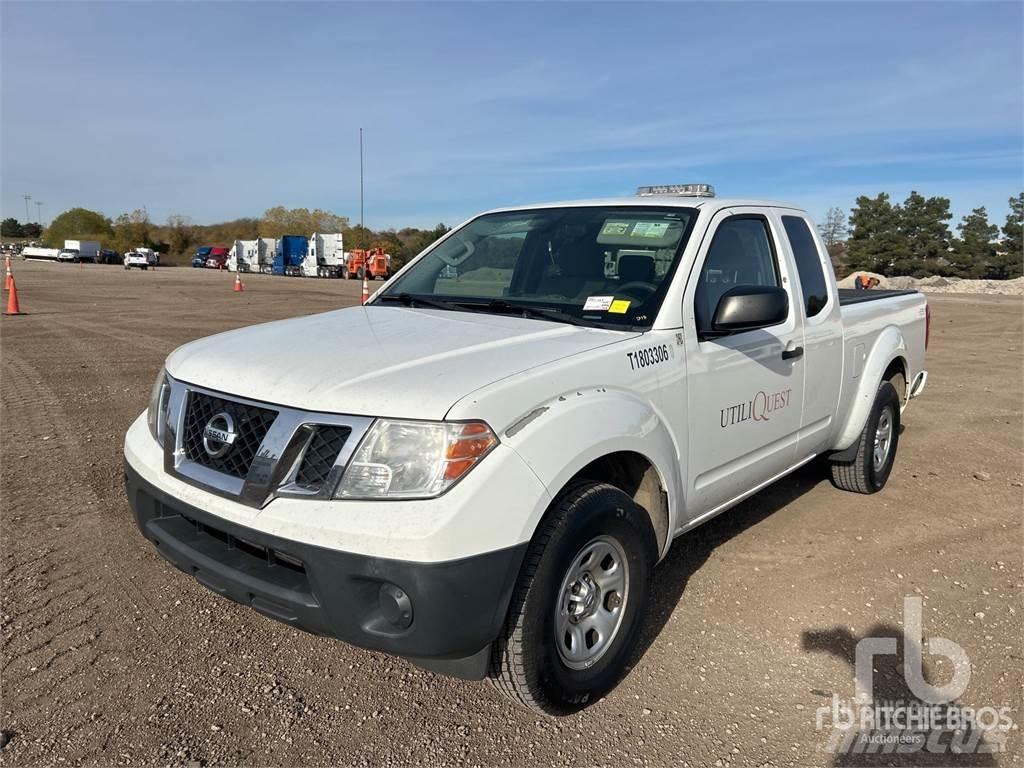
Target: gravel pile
936,284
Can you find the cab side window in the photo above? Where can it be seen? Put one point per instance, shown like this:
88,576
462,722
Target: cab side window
808,264
741,253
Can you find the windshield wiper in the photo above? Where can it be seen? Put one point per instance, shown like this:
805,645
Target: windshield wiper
411,300
528,310
496,305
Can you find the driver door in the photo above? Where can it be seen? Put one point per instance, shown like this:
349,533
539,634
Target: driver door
745,396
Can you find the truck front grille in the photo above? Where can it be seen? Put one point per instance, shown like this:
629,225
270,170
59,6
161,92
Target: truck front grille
251,424
322,452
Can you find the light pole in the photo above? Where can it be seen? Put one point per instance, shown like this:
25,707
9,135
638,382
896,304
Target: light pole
39,212
361,225
27,198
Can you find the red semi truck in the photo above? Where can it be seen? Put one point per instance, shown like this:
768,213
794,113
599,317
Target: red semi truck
217,258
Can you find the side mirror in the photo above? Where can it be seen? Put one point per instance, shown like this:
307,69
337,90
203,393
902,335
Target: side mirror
747,307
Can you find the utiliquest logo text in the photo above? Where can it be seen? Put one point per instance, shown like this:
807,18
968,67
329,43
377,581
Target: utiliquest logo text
758,408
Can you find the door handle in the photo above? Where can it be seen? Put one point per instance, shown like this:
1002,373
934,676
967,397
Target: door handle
793,354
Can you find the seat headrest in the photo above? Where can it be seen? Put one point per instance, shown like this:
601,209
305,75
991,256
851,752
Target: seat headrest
635,268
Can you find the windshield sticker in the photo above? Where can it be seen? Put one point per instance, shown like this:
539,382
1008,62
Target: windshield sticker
619,307
598,303
656,229
615,228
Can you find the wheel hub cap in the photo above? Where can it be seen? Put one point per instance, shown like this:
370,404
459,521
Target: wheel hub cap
592,602
582,597
883,439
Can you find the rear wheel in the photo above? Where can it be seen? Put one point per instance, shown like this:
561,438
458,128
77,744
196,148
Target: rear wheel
876,447
578,603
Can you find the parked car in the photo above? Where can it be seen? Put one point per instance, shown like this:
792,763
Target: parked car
136,259
152,257
480,468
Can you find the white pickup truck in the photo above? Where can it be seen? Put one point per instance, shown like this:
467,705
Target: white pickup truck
479,469
136,259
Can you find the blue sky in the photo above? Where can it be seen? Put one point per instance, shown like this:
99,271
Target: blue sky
219,110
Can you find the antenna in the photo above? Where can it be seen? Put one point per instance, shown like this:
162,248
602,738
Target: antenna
361,225
27,198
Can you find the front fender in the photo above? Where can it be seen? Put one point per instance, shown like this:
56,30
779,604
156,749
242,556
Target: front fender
889,345
560,437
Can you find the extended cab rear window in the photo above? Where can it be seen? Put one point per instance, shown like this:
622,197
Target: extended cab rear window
808,264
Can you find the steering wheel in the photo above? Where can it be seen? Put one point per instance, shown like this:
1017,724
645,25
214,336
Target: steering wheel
647,288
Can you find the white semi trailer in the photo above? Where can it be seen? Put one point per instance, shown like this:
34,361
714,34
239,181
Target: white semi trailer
244,256
264,254
35,252
325,256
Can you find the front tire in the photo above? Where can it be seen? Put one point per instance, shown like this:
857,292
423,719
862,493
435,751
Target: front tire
876,447
579,601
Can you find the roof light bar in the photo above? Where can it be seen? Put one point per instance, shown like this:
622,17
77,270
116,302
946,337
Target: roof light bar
678,190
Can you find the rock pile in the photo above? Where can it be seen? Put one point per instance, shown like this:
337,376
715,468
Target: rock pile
1013,287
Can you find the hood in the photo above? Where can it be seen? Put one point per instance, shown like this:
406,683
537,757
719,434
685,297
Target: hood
378,361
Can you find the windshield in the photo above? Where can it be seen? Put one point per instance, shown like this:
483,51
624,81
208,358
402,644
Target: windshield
603,265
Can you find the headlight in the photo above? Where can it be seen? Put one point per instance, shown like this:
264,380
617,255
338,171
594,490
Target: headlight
413,459
156,415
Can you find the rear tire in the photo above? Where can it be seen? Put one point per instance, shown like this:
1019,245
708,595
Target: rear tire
876,446
579,601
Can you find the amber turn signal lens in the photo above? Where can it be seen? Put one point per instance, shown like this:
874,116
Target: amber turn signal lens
473,441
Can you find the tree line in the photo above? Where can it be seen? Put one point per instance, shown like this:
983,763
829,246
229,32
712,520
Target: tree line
15,229
178,237
913,238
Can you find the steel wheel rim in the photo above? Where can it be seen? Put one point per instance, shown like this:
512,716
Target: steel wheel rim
591,602
883,439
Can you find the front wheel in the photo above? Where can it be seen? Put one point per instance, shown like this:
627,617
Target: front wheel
579,601
876,447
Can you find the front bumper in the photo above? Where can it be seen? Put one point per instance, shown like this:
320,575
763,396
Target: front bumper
441,615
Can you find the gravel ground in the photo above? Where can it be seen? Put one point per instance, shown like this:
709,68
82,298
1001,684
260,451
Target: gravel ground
111,656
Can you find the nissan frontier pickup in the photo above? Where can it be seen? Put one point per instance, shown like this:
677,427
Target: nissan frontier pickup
479,469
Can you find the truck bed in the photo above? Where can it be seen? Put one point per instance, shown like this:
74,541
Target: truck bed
853,296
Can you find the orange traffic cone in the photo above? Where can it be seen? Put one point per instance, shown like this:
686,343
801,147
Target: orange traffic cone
238,283
10,275
12,300
366,291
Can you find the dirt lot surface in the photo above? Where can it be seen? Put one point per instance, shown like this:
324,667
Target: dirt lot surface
111,656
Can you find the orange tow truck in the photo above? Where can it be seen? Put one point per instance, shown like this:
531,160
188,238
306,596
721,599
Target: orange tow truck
373,263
